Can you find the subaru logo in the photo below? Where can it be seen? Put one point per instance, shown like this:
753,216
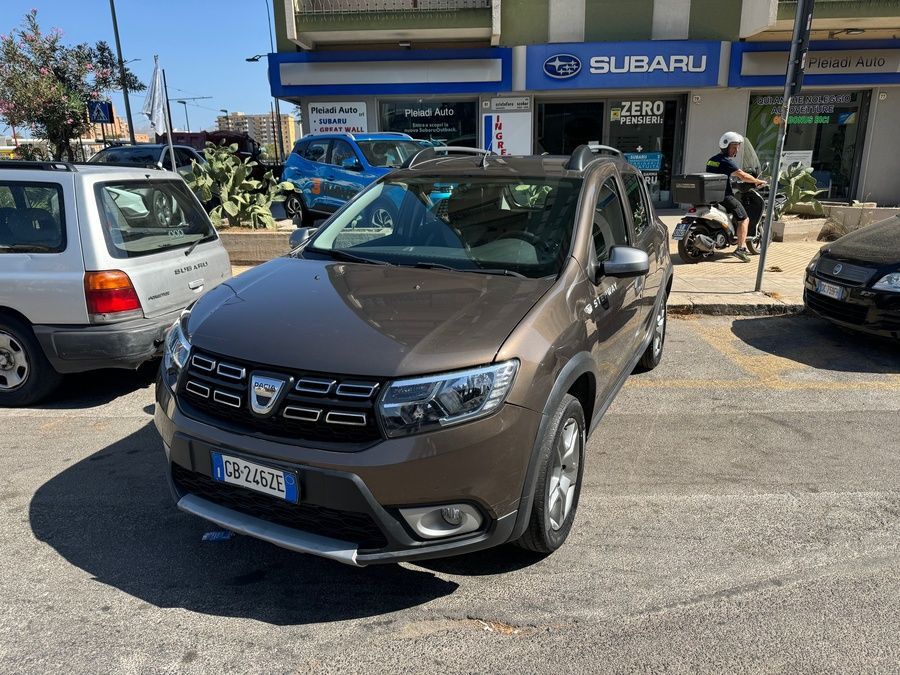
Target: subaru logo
562,66
837,269
264,393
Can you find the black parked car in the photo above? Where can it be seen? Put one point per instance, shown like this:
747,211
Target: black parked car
855,281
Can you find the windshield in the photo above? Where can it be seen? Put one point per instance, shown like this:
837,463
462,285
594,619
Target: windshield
388,152
749,160
136,156
141,217
520,226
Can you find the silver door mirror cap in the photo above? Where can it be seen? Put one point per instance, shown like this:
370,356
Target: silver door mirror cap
625,261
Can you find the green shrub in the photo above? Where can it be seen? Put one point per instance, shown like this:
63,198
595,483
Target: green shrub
799,186
225,183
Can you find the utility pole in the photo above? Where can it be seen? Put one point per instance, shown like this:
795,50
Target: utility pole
792,85
279,138
122,80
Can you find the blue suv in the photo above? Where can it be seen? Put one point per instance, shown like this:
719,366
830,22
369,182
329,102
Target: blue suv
330,169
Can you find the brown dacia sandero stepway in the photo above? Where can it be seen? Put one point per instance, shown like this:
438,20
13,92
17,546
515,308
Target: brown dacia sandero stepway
418,377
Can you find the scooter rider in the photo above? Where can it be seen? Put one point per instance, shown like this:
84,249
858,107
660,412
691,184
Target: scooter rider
723,163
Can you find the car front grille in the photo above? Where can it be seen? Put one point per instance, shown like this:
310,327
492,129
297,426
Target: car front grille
338,411
358,528
846,273
836,309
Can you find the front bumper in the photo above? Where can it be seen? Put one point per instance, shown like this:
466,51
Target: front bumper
349,505
75,349
862,309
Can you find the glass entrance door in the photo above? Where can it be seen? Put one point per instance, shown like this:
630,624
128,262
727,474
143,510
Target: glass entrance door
562,127
645,130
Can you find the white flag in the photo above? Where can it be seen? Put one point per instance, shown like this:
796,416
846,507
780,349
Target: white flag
155,103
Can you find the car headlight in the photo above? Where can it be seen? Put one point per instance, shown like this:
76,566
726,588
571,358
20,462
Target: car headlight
177,348
889,282
426,403
812,263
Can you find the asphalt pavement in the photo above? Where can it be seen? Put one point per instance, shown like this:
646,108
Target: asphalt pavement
740,513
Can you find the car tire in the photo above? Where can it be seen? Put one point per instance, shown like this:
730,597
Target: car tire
558,484
26,375
653,354
294,206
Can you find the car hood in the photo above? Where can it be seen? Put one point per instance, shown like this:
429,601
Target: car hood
878,243
360,319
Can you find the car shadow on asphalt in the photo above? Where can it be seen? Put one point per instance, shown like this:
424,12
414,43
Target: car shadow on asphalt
819,344
96,388
112,515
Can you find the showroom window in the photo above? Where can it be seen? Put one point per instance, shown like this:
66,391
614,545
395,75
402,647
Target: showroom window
436,121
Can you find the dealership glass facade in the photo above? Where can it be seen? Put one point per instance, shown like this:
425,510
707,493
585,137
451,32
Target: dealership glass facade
440,122
825,131
648,129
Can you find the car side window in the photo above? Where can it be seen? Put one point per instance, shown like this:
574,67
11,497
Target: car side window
341,150
184,157
609,221
31,218
316,151
300,148
640,213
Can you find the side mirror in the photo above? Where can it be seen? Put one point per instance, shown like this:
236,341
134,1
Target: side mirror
623,262
351,164
300,236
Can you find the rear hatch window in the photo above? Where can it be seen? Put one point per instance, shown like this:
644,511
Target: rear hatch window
143,217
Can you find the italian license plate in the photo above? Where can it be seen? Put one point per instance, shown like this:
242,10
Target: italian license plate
680,230
831,290
265,479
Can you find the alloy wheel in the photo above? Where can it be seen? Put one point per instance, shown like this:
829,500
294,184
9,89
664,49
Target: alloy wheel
659,331
14,366
561,487
162,209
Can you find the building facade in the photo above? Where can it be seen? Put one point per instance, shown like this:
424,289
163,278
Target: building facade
260,127
659,79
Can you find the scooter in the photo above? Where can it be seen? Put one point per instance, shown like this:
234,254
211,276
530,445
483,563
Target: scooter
707,228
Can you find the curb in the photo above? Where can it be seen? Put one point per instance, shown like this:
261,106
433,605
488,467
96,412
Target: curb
762,307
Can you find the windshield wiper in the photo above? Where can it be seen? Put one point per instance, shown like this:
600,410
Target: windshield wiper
500,271
196,243
27,248
435,266
338,254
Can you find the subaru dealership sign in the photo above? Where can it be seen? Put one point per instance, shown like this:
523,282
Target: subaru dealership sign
624,65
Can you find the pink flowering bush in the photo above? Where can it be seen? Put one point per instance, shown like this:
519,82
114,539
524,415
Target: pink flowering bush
45,85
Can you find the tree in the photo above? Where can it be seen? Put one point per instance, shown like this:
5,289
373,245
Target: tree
45,86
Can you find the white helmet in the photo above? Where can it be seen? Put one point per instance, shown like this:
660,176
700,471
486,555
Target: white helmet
728,138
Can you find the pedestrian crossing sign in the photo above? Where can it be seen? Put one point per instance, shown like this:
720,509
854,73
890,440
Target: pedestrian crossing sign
100,112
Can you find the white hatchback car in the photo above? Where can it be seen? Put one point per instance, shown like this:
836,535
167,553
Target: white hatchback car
96,262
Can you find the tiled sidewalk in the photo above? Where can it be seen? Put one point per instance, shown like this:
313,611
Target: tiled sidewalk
724,284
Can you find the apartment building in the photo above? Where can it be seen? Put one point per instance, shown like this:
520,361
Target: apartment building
260,127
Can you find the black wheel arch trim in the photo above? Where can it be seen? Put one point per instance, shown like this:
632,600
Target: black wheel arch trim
580,364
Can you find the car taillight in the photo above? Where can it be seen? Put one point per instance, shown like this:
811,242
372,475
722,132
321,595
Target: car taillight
110,292
692,210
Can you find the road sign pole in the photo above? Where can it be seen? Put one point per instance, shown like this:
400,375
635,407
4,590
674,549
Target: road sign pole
792,85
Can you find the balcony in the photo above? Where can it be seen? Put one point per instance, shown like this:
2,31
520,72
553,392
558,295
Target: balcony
372,24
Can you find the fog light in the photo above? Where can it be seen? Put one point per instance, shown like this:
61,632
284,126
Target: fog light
435,522
452,515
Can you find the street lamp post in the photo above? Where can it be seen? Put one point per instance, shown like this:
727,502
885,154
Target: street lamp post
186,120
279,137
122,81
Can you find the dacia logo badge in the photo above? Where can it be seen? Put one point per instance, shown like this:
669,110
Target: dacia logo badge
562,66
837,269
264,393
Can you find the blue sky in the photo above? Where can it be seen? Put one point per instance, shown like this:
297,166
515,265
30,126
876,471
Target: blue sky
201,45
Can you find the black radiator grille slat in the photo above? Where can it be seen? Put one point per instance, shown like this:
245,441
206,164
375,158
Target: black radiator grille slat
242,420
836,309
359,528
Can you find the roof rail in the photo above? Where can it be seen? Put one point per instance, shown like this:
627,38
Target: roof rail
398,134
585,154
50,165
329,133
431,153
